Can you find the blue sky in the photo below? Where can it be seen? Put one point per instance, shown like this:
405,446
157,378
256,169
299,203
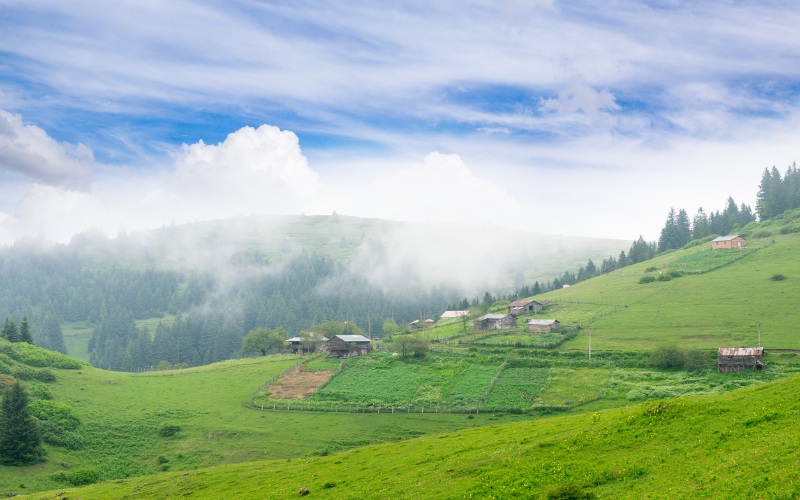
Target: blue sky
579,118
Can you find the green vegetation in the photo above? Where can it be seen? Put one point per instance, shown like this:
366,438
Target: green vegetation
733,445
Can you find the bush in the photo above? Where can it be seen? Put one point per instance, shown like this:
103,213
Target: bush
58,413
695,359
169,430
667,356
646,279
651,269
54,435
664,277
39,391
570,492
24,372
82,477
36,356
777,277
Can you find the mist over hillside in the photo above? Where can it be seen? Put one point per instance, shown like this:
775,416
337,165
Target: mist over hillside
202,286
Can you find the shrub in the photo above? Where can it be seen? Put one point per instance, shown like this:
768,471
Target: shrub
36,356
695,359
40,391
777,277
651,269
646,279
675,274
82,477
58,413
24,372
570,492
54,435
666,356
664,277
169,430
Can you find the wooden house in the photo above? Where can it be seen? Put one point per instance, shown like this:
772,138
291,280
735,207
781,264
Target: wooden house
453,314
519,307
345,346
732,241
737,359
543,325
295,344
495,322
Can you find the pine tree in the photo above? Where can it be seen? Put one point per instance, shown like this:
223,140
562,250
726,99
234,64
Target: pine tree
10,332
20,441
25,331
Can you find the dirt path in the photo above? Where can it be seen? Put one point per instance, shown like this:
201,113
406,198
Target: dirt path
298,383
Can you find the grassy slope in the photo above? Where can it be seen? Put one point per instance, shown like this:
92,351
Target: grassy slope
719,308
122,414
740,444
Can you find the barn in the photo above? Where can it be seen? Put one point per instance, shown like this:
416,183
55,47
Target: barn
495,322
519,307
345,346
732,241
737,359
296,343
543,325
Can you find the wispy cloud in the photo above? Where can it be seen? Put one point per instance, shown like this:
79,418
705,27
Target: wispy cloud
571,100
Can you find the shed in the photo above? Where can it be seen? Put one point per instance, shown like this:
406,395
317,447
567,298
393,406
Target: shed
543,325
343,346
737,359
731,241
519,307
296,343
453,314
495,322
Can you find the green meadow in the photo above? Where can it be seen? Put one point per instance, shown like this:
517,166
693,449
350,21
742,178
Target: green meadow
589,415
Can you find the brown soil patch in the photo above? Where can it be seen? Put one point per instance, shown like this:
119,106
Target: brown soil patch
298,383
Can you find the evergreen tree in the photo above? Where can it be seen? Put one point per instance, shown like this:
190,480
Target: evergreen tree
700,227
50,335
20,441
25,331
10,332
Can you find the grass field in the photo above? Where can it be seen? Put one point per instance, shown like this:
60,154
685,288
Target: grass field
742,444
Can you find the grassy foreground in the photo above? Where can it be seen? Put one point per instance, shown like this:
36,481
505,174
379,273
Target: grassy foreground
744,443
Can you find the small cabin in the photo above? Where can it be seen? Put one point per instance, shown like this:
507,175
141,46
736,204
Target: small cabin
519,307
453,314
737,359
495,322
732,241
345,346
296,343
543,325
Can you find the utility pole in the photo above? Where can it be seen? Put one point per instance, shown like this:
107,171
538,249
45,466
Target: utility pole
590,345
759,335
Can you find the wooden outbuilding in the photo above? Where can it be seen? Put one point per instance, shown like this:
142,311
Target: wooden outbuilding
731,241
345,346
296,343
543,325
519,307
495,322
737,359
453,314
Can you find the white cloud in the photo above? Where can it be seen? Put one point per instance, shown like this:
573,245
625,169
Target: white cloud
440,189
27,150
578,96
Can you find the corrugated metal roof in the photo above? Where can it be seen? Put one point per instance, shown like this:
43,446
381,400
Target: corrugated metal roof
522,303
353,338
542,322
453,314
726,238
493,316
313,336
741,351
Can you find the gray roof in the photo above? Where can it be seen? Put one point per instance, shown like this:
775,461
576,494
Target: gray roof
726,238
493,316
542,322
352,338
314,336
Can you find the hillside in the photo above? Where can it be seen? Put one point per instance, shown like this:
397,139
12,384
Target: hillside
539,411
740,444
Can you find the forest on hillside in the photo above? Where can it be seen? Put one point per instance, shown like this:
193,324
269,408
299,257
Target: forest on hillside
208,313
